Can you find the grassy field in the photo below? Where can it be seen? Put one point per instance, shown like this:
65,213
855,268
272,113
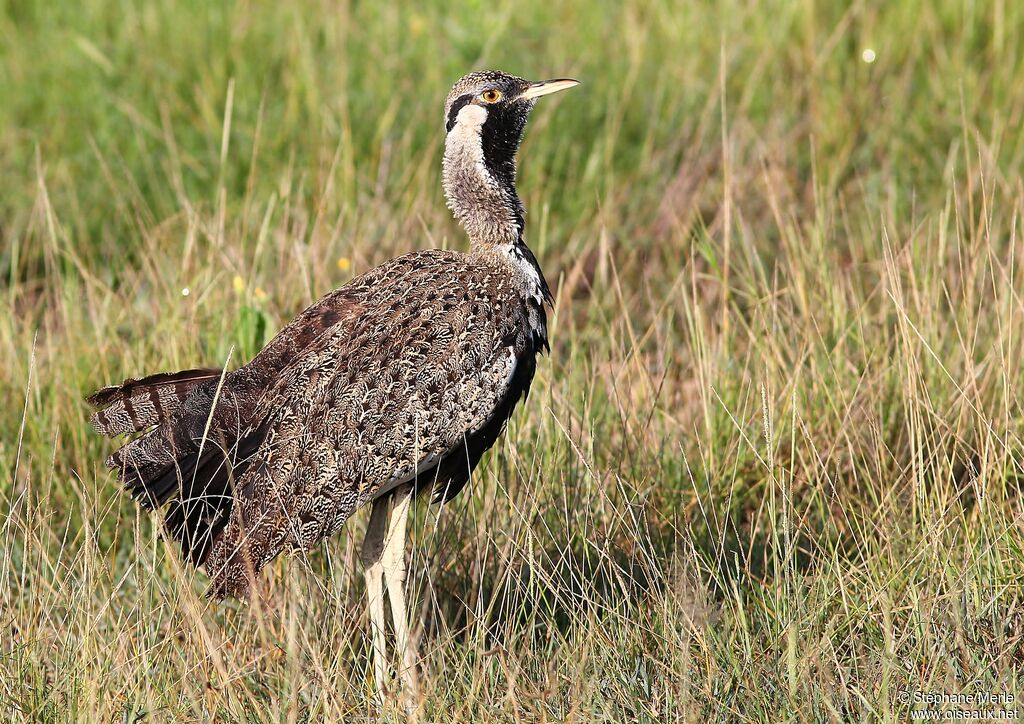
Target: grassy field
772,469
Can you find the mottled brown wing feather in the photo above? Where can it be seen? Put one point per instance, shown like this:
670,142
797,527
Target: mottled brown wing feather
384,394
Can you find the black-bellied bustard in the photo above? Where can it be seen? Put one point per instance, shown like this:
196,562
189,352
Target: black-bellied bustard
392,385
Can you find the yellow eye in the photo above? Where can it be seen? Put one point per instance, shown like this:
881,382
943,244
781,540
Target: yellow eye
491,95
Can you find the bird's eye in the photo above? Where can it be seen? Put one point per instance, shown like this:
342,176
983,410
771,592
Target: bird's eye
491,95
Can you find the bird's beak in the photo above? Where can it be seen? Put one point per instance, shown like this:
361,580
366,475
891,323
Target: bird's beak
544,87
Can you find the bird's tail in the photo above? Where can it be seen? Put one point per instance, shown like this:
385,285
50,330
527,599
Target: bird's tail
137,404
183,459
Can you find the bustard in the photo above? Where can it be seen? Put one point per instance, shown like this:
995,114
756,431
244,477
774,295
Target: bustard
392,385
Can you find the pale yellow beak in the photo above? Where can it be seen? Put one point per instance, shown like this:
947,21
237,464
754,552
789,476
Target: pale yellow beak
546,87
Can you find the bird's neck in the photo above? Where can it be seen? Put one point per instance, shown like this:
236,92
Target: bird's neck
480,187
481,190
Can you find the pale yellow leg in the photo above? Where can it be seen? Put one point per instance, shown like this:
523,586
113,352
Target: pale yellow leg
393,559
383,557
373,548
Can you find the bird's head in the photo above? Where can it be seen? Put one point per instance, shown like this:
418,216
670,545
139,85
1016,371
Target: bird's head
497,99
485,116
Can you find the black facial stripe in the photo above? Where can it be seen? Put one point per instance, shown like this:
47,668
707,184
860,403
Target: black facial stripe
453,113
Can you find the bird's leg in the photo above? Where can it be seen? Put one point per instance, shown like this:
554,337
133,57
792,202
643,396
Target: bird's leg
371,557
393,559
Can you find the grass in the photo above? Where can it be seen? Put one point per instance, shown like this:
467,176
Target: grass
772,469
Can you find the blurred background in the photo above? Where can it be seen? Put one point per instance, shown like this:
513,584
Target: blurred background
772,466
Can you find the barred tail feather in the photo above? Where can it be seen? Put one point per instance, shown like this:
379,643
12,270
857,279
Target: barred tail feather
137,404
166,466
141,461
195,485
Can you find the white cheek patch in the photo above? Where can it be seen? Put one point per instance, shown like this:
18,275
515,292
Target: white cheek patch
462,145
471,116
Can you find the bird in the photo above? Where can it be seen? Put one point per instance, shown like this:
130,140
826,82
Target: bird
392,386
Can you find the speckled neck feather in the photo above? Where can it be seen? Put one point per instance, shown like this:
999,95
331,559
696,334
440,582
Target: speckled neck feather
480,187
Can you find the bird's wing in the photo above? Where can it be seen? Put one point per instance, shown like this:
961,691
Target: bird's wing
384,395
